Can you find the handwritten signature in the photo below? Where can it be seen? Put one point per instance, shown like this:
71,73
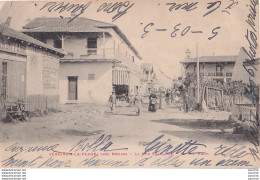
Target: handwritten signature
251,38
120,8
158,147
62,6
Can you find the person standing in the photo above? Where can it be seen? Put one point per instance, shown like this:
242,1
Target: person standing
152,102
131,98
185,100
167,97
123,99
138,103
112,101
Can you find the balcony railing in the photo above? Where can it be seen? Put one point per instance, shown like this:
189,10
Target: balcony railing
219,74
229,74
213,74
12,48
103,54
92,51
99,53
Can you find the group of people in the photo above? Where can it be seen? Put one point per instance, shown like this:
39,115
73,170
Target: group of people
137,101
168,97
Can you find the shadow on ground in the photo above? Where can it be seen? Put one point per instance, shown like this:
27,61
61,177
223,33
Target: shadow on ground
198,124
81,133
204,130
209,136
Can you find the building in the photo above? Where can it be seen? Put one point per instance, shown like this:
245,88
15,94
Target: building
99,58
154,78
29,70
218,68
149,78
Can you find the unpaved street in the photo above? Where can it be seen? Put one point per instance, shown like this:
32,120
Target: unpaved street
77,121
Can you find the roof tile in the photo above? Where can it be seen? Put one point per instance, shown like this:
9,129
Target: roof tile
7,31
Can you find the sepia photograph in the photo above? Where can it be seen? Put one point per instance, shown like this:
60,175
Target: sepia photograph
129,84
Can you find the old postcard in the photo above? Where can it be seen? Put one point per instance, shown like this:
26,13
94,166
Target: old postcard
129,84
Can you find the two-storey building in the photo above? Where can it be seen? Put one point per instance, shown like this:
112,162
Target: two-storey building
99,59
218,68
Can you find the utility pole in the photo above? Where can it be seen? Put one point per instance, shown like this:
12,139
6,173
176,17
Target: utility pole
198,74
104,41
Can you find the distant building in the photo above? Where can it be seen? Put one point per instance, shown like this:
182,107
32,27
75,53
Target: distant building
217,68
99,58
149,78
29,70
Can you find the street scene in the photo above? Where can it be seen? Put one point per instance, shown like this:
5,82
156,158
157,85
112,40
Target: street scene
109,88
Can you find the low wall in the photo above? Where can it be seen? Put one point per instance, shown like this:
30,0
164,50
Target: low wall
42,102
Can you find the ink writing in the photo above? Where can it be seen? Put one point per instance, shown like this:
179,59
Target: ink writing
78,9
102,143
120,8
159,147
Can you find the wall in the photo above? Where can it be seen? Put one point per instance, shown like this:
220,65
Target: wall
78,45
114,44
122,47
42,85
15,75
89,91
15,89
229,68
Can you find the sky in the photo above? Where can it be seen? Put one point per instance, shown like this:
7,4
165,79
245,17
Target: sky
158,47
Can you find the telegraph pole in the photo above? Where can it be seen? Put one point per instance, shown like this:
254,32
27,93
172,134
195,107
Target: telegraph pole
198,74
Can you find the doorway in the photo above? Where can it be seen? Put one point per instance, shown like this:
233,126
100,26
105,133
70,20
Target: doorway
73,88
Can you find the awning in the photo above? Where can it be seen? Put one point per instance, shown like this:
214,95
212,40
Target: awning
120,77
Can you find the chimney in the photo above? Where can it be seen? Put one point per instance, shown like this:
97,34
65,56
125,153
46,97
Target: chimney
188,53
8,21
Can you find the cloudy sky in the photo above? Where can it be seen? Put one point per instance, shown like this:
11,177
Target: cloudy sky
158,46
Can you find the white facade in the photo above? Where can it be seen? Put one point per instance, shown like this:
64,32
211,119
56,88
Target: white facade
80,65
96,90
99,58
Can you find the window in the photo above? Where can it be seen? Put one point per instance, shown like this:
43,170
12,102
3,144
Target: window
133,58
4,81
92,42
57,43
219,70
91,76
92,46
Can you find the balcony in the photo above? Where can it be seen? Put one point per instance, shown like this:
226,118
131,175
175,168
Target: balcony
12,49
99,54
219,74
229,74
93,53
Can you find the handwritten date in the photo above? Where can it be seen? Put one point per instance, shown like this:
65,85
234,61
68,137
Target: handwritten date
183,31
